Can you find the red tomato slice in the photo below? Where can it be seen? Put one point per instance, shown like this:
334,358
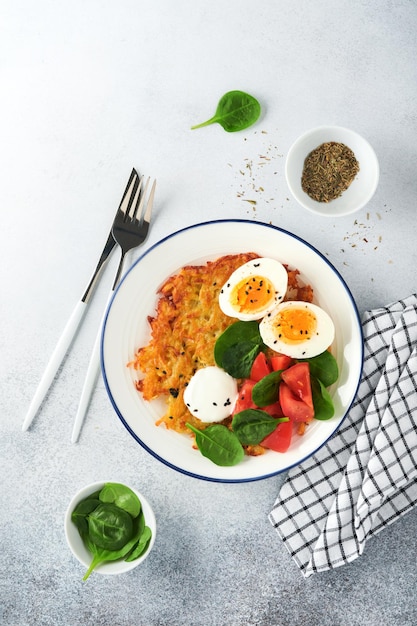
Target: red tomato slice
280,362
293,407
260,368
244,400
298,380
274,409
280,439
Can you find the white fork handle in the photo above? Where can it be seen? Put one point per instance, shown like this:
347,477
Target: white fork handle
90,381
54,362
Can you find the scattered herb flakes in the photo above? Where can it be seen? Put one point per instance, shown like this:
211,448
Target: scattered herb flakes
363,236
254,174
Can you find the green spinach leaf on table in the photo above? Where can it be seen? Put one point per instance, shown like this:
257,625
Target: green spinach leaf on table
235,111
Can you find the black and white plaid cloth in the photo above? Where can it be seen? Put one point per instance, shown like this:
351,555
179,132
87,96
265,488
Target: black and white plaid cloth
365,477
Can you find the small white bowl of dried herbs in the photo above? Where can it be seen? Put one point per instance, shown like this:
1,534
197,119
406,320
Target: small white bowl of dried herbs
332,171
110,528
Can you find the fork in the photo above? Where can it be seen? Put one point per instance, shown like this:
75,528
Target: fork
130,229
77,315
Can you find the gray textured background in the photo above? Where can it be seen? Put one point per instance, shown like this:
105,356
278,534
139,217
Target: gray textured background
88,89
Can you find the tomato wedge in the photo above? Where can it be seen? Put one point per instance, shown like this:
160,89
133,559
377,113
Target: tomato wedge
274,409
293,407
244,400
260,368
280,439
280,361
298,380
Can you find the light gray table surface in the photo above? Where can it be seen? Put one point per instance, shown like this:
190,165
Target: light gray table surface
90,88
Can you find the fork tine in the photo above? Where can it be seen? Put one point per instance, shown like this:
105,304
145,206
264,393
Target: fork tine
138,213
135,201
149,206
130,193
139,201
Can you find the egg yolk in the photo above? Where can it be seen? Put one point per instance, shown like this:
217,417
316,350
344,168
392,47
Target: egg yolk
295,325
252,294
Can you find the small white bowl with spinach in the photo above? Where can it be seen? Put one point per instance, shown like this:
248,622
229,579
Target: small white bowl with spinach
110,528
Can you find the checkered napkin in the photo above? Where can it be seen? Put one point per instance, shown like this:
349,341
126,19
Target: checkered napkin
366,476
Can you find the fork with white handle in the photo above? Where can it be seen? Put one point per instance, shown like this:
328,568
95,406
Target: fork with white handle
130,195
130,229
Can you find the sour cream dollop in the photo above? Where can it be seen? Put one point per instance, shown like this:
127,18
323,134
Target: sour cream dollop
211,394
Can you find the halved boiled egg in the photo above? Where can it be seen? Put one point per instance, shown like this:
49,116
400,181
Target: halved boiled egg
298,329
254,289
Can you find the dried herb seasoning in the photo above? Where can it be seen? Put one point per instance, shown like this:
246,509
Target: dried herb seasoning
328,171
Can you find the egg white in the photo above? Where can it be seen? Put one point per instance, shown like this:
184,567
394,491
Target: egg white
211,394
304,346
267,268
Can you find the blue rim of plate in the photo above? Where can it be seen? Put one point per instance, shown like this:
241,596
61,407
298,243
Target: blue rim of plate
132,432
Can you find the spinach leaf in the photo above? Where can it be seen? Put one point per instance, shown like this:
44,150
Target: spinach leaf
218,444
101,555
324,367
121,496
141,545
265,391
81,512
237,347
236,110
109,526
251,426
239,358
322,401
235,333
